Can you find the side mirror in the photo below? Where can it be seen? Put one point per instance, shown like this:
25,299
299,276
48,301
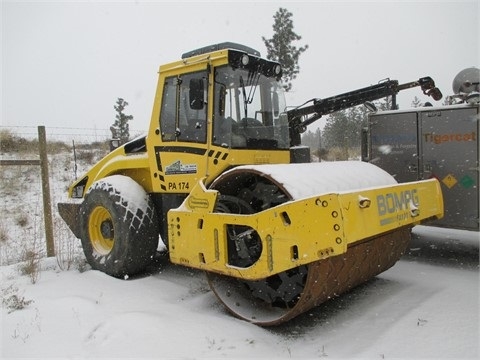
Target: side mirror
196,94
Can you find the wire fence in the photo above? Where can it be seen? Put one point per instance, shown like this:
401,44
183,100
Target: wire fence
67,134
22,224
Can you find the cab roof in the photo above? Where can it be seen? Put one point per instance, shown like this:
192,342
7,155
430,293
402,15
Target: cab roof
221,46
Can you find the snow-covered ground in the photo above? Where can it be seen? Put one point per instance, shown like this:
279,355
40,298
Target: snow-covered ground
426,306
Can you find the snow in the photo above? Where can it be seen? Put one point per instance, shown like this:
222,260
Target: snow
426,306
310,179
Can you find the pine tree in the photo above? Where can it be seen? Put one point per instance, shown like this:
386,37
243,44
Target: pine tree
121,121
280,48
384,104
416,102
343,130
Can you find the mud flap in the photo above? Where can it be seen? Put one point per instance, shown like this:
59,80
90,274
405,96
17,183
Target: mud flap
70,213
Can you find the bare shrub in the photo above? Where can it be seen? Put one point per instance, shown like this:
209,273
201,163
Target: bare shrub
7,140
3,233
31,265
67,248
86,156
101,145
10,142
4,244
12,300
56,147
22,220
31,256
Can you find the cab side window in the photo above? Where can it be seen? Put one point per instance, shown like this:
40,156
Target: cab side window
168,114
184,109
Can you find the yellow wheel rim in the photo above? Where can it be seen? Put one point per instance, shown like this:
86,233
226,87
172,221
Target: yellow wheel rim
100,228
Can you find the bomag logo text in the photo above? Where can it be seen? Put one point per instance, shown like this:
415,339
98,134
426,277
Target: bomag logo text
398,203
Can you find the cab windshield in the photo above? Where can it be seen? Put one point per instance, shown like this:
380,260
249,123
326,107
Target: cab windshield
247,108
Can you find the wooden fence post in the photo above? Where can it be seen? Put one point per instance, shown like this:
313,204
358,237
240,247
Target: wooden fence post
47,206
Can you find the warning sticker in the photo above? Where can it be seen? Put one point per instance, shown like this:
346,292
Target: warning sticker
449,181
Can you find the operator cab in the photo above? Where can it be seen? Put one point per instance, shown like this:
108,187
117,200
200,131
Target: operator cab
219,107
248,101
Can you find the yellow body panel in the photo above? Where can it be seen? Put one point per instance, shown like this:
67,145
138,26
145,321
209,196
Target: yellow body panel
296,232
206,165
135,166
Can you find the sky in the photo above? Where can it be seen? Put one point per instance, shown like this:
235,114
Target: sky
65,63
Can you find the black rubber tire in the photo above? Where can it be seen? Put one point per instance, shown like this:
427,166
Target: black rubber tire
119,227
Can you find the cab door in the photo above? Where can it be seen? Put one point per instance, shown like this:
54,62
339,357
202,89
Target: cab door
180,155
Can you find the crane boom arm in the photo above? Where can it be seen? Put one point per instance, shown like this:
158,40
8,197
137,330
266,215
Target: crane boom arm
320,107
